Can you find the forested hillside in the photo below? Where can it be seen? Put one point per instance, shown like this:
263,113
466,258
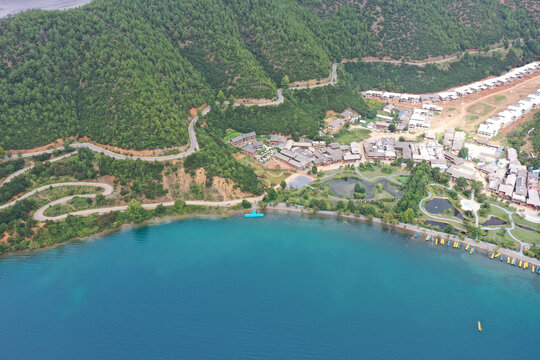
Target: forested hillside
126,72
435,77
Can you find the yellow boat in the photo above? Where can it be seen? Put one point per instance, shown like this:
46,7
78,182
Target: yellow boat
436,242
427,238
470,252
513,261
479,326
520,263
526,265
498,254
442,241
492,256
508,261
467,248
533,268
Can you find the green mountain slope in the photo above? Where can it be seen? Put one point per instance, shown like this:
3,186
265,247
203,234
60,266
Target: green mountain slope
126,72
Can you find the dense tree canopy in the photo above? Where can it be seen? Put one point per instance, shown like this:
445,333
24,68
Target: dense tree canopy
126,72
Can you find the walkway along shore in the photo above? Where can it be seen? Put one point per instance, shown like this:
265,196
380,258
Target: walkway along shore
108,189
481,246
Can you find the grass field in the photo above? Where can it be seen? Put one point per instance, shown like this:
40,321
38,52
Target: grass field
480,109
230,135
522,221
348,136
378,172
494,211
497,99
501,237
528,236
273,177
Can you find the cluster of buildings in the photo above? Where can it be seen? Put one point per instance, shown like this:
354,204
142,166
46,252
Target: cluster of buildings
456,93
492,125
411,118
389,149
249,145
347,116
303,155
453,139
510,180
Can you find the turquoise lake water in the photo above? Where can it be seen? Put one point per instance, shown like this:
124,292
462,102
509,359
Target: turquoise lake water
281,287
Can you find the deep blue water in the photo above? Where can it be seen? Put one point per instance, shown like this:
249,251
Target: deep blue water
281,287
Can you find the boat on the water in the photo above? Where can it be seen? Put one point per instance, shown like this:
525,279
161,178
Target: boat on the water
253,215
479,326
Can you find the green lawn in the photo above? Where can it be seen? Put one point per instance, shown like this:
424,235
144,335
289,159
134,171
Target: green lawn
530,237
377,171
480,109
348,136
494,211
404,179
230,135
273,177
497,99
522,221
501,237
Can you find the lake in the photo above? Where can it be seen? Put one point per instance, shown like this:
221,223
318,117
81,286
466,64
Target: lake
15,6
280,287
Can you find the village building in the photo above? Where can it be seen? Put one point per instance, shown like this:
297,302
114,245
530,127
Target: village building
243,139
336,125
276,140
252,148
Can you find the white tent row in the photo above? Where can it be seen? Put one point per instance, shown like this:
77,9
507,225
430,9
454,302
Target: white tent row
458,92
492,125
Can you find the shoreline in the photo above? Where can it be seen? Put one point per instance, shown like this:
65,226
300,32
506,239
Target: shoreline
122,227
480,246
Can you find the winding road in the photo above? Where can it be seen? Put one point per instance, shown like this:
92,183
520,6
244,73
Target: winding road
194,145
108,189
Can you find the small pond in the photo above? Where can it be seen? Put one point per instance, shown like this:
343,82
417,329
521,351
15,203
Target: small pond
345,187
440,205
441,225
494,221
526,228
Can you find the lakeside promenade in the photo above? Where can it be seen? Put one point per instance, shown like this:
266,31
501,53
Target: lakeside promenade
480,246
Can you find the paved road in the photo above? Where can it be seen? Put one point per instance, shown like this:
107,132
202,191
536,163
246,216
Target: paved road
108,189
40,216
22,171
280,98
194,145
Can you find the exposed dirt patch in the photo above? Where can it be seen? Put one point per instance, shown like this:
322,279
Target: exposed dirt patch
200,176
522,120
246,101
274,164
